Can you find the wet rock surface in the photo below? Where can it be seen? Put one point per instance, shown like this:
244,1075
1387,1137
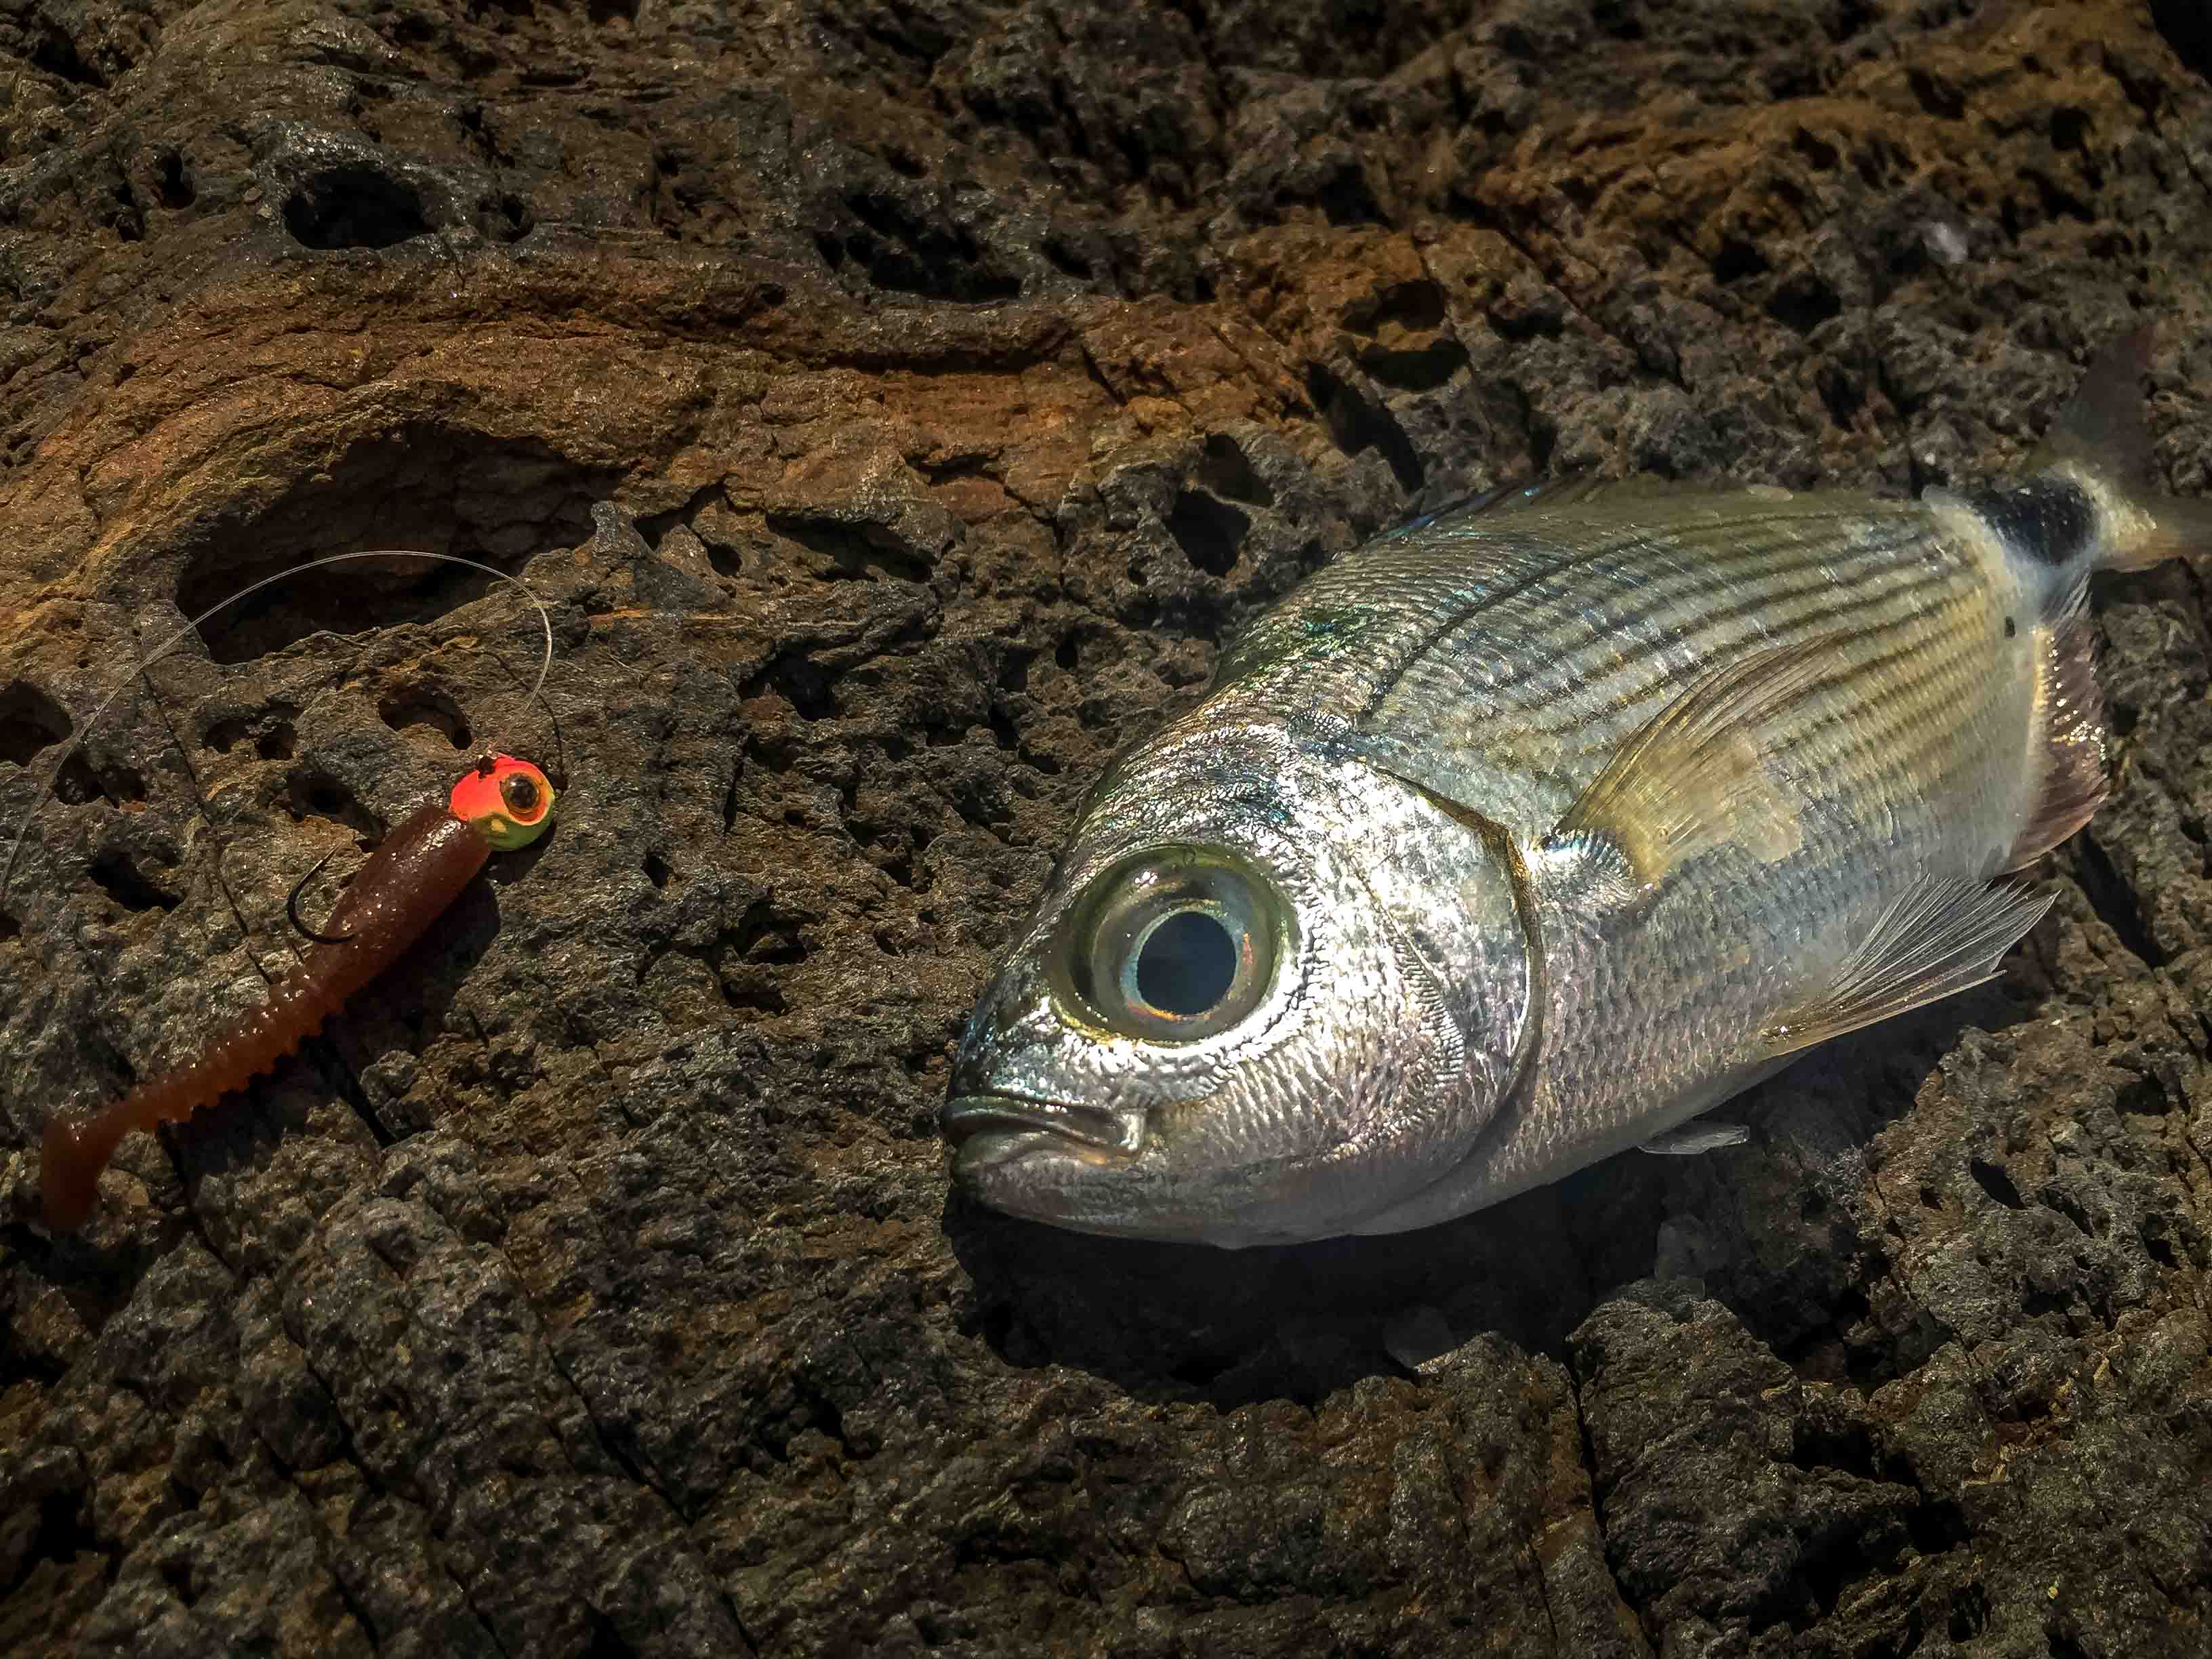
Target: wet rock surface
896,405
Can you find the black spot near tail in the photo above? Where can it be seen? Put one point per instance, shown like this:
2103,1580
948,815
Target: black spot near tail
2051,520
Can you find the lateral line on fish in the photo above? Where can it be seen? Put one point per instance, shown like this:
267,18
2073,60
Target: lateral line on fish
1395,669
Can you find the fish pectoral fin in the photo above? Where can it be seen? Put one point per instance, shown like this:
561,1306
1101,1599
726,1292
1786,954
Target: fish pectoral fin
2069,714
1696,776
1943,936
1700,1135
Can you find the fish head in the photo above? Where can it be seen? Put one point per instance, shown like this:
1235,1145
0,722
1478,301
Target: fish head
1221,1025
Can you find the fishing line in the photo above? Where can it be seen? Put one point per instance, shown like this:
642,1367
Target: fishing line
44,786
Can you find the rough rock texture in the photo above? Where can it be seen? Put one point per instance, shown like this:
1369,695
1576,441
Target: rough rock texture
897,401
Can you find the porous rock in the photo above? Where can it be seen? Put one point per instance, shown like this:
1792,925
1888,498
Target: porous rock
896,405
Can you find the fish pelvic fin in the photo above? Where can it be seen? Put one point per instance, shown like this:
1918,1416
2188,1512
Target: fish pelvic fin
1696,776
2100,444
1697,1136
2070,716
1941,936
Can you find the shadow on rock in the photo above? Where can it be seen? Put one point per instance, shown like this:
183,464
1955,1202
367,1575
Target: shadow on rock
1765,1224
1295,1321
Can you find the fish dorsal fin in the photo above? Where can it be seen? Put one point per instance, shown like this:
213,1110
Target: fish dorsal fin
1509,501
2070,713
1550,495
1545,494
1696,775
2102,428
1941,936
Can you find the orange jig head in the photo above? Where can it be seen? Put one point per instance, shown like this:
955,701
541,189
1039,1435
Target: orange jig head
509,800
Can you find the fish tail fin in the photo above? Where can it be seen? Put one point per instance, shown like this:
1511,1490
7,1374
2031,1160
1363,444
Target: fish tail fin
2176,527
2100,441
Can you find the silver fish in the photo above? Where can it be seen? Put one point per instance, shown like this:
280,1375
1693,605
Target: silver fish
1528,832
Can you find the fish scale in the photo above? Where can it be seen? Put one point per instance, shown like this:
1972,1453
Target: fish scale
1553,729
1529,832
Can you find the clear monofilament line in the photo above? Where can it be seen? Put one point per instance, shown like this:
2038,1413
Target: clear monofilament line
44,786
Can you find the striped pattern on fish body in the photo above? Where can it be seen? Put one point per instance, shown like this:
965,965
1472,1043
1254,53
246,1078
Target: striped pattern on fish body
1561,818
1566,629
1507,657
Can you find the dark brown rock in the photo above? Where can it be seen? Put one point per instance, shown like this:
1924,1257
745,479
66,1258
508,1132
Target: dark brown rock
896,405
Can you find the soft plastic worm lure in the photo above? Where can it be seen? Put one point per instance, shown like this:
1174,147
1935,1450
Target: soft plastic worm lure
405,885
502,803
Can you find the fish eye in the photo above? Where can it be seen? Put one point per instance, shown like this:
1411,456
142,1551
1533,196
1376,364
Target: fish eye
1175,944
1184,965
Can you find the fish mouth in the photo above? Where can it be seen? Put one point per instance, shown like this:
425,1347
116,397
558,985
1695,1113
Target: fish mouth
989,1128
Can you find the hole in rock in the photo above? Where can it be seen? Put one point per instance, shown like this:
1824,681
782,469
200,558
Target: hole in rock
911,250
172,181
78,780
1417,306
353,204
1736,260
120,878
420,486
1227,470
1357,424
56,53
1996,1183
29,720
422,705
1969,1611
1803,302
2114,900
1346,199
63,1533
1067,258
1208,531
1937,97
1421,370
317,795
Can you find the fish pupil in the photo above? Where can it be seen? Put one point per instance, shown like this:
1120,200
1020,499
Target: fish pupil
1186,964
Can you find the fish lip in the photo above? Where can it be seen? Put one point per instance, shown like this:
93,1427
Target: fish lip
1001,1116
